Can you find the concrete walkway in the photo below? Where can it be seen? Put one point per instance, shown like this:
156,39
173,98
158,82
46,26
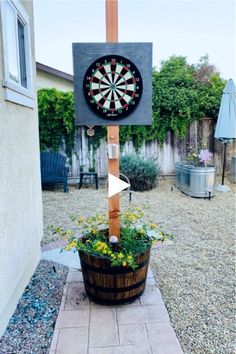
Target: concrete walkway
83,327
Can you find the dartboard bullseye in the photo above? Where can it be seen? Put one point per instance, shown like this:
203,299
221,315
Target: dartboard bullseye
112,86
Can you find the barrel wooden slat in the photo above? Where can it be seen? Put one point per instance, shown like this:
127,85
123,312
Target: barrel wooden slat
113,285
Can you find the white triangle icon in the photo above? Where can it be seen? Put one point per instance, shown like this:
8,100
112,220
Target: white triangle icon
115,185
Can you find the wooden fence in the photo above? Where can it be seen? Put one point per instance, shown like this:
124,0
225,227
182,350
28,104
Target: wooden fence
173,150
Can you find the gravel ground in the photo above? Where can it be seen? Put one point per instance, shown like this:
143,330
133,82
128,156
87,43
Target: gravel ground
195,272
59,206
31,328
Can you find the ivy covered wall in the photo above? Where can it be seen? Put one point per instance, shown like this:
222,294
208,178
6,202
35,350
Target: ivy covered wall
56,119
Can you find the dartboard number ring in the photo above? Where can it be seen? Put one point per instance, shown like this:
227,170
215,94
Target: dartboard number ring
112,86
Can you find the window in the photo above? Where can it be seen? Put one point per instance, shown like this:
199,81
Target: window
17,53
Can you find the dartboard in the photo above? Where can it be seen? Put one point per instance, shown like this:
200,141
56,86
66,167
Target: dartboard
112,86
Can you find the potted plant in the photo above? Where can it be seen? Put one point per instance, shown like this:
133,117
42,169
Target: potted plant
195,176
113,272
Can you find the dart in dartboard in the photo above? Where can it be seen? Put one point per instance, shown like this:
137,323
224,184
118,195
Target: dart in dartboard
112,86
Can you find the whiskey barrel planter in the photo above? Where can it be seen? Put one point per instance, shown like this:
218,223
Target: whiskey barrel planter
113,285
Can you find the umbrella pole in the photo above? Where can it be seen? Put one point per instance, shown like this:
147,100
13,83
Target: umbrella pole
224,161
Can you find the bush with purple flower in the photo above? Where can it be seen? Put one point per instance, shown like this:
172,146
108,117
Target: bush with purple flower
197,157
205,156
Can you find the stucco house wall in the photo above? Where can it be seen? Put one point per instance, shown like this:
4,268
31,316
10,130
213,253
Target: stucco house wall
20,191
48,77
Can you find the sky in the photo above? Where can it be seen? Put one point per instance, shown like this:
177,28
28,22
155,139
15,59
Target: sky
188,28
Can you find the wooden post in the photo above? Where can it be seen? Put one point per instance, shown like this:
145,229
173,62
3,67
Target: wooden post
113,131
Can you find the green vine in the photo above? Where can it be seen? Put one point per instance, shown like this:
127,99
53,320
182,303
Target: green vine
182,93
95,140
56,119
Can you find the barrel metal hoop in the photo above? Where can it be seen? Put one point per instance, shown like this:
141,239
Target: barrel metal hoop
113,302
113,271
115,290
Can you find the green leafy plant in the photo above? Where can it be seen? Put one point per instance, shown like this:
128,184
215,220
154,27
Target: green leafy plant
209,86
182,94
56,119
91,236
141,173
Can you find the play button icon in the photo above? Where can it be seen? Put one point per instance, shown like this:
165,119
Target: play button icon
115,185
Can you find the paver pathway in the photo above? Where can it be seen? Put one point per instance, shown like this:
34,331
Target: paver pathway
83,327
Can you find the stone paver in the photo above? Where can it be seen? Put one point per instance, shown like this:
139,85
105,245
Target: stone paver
84,327
127,349
76,298
133,334
72,341
72,318
54,340
74,276
162,338
143,314
103,327
151,296
69,258
149,274
52,245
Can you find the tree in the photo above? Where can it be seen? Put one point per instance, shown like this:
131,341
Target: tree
175,101
210,87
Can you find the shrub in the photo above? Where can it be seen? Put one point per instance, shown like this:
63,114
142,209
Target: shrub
141,173
56,119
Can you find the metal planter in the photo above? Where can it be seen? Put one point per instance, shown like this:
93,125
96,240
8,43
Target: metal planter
195,181
233,170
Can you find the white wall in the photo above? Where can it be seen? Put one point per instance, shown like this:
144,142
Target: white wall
20,195
46,80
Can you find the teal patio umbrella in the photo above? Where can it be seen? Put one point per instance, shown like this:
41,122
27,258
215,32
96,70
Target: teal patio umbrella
226,122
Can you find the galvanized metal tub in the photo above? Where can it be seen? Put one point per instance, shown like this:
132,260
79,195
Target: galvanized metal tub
233,170
195,181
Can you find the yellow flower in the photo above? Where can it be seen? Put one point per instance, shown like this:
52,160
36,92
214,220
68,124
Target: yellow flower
120,255
129,258
94,231
133,217
105,252
124,264
70,245
64,236
152,226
